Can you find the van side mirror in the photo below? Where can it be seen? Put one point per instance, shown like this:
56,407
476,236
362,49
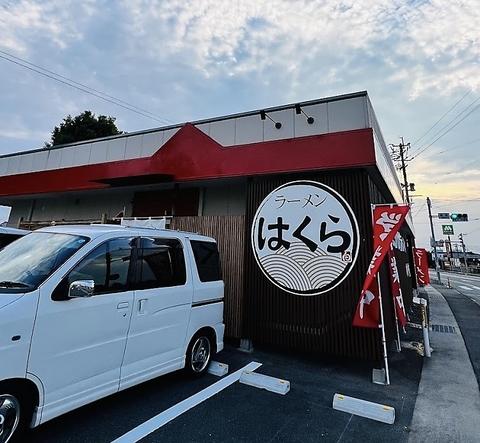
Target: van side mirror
81,288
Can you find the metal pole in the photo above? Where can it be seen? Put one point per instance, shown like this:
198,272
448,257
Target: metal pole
399,346
437,267
464,253
404,170
382,326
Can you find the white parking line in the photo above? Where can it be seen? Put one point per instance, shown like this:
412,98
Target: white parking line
173,412
465,287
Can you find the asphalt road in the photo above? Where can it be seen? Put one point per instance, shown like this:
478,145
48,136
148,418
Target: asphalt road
242,413
467,285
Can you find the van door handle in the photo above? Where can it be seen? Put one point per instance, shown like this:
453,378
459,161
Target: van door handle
141,305
123,305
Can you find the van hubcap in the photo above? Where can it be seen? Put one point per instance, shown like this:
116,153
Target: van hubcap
200,354
9,416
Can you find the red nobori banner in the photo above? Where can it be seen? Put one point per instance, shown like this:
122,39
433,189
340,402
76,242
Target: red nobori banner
396,289
387,220
421,266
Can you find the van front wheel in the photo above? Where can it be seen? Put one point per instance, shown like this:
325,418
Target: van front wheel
10,422
199,353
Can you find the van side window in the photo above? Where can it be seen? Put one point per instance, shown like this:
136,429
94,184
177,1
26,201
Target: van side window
207,260
161,263
108,266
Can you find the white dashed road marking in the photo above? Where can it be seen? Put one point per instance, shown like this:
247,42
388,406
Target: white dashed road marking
466,288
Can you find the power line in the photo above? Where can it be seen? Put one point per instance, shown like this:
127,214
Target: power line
79,86
442,117
448,129
459,146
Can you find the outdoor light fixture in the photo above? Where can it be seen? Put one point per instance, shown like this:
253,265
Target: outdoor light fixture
299,110
264,115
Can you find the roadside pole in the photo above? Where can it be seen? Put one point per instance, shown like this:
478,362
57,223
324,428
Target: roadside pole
382,326
460,236
437,267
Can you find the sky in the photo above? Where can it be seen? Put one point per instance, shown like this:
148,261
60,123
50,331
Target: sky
183,60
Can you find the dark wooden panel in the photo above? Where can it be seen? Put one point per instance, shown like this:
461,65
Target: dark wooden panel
320,323
229,231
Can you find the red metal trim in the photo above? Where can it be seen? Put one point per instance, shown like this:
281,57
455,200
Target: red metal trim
192,155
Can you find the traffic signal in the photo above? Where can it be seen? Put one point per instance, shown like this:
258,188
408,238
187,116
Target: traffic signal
456,217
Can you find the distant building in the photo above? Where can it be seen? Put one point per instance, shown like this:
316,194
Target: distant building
211,176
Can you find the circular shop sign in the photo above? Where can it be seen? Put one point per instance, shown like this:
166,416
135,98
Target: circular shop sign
305,237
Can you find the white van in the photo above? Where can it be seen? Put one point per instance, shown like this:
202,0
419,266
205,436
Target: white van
86,311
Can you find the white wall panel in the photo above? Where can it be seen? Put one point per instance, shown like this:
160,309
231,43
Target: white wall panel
53,160
223,132
67,154
26,163
152,142
346,115
98,153
249,129
3,166
39,160
81,154
320,124
13,165
133,147
168,134
116,149
204,127
285,117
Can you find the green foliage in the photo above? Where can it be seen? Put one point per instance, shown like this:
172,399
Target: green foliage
84,126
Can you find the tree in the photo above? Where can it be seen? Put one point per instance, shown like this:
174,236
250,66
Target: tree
84,126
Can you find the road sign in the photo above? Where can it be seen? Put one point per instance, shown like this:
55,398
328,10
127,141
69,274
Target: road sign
456,217
447,229
444,215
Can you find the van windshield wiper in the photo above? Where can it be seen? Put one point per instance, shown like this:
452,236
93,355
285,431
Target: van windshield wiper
13,284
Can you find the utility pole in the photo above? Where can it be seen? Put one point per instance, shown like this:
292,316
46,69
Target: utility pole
460,236
402,156
437,267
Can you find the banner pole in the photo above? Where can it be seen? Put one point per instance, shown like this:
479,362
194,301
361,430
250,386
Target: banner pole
384,341
399,346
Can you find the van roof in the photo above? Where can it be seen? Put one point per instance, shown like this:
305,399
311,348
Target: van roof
97,230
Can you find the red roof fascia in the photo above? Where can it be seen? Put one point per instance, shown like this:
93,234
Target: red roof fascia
192,155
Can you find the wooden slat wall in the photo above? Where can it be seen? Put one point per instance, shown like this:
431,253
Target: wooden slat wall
321,323
229,231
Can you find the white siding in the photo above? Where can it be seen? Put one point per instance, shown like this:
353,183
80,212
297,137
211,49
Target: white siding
249,129
53,160
223,132
133,147
346,115
285,117
319,125
99,152
116,149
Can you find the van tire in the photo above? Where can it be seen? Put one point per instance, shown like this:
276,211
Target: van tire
24,413
199,353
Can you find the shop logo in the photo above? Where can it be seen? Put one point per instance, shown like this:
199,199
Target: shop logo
305,238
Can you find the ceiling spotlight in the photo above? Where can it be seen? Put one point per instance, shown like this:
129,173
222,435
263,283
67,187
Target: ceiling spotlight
299,110
264,115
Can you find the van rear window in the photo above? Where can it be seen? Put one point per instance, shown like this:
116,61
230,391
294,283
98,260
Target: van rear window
207,260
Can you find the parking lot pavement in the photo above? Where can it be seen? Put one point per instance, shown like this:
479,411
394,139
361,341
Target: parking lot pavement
244,413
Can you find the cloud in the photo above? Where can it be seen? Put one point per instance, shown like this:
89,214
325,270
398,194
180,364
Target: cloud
57,22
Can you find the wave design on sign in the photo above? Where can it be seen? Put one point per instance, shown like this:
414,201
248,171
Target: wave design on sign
300,269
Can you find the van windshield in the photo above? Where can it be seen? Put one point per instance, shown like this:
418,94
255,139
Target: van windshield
29,261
